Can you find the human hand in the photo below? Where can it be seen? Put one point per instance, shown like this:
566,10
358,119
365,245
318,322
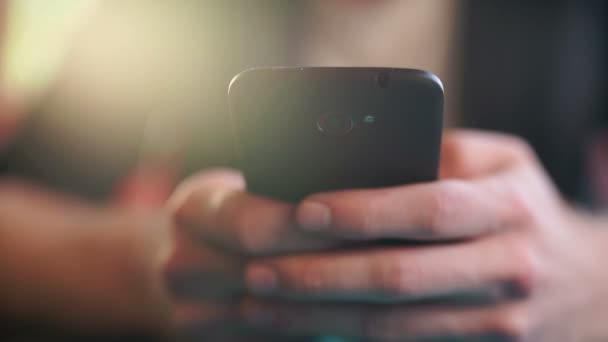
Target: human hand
218,228
507,233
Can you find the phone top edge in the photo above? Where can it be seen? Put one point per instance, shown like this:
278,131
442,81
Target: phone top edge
422,73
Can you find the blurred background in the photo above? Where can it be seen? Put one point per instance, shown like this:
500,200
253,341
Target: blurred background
116,101
105,90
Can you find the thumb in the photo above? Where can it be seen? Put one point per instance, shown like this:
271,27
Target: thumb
211,179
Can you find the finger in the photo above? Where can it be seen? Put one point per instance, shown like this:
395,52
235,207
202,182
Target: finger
390,274
442,210
471,154
389,322
217,208
222,178
201,271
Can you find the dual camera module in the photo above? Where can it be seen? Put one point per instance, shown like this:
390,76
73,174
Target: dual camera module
338,124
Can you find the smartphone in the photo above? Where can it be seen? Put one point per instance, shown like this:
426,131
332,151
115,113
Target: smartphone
299,131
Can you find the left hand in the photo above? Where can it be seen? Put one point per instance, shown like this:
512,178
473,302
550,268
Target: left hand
506,232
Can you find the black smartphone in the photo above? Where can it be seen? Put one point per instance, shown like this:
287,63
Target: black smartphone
299,131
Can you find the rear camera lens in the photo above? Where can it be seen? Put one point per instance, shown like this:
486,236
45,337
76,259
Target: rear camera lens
335,124
369,119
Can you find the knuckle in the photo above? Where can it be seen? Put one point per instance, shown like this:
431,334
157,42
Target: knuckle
522,209
372,217
527,272
512,324
308,279
440,206
360,214
394,278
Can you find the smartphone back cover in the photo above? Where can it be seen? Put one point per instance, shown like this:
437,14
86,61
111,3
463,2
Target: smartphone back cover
293,134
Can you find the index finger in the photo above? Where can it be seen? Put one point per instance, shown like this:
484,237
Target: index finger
441,210
481,191
216,207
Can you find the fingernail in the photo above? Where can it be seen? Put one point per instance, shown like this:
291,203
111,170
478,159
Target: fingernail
313,216
261,280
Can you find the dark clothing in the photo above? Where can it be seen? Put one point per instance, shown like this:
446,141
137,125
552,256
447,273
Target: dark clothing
538,69
535,69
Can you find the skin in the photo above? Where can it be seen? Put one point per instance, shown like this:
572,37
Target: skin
494,225
72,268
220,257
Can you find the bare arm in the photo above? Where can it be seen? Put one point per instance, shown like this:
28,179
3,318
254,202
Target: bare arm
75,267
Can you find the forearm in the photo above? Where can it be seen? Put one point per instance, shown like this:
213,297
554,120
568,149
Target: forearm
71,266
